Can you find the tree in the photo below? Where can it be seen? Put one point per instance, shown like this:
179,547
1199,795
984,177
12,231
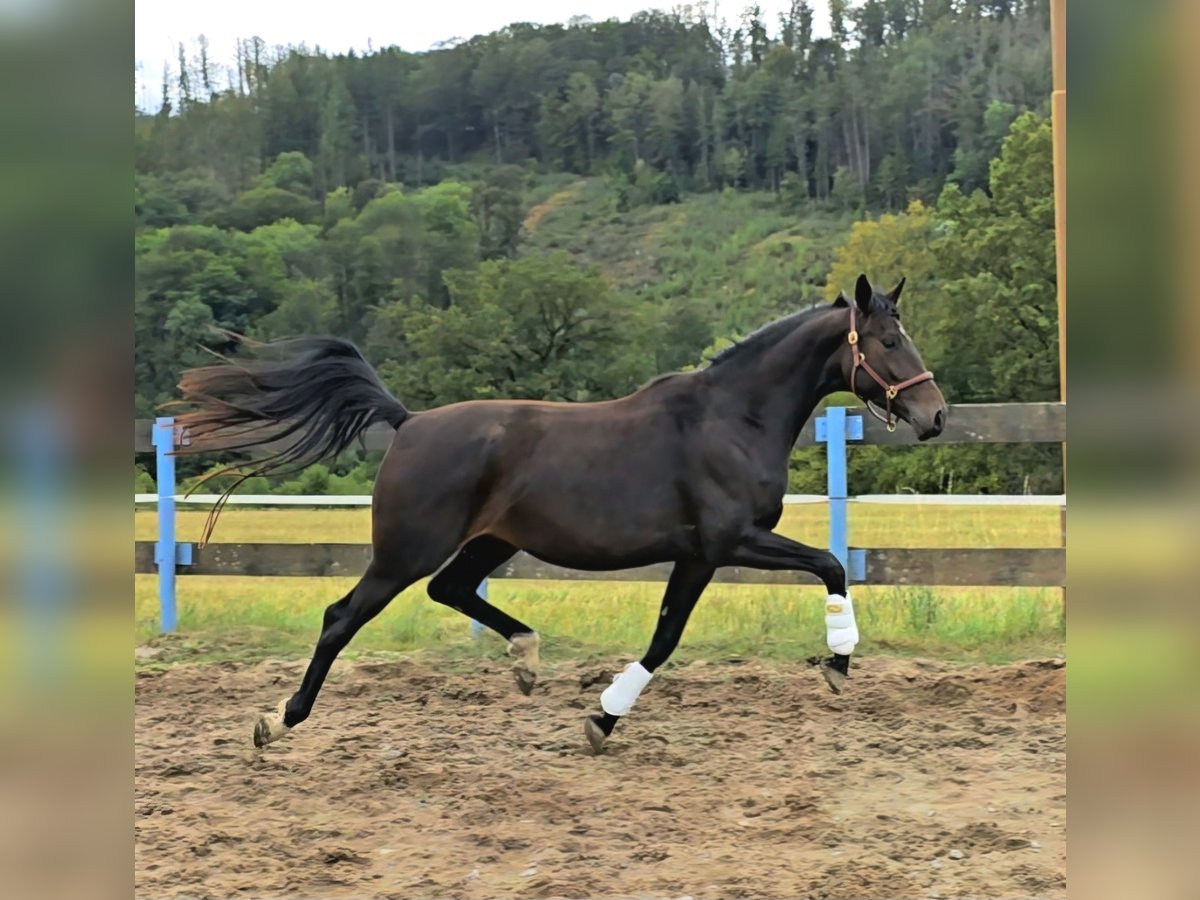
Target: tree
336,149
664,127
155,204
583,110
291,171
629,117
981,305
971,161
902,94
287,266
892,180
847,193
499,211
190,280
264,205
1001,251
344,187
398,247
536,327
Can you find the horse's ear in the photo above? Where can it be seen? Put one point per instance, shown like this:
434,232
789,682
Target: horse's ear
841,301
894,295
863,294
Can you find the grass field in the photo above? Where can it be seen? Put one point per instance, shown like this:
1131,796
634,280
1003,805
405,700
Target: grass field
248,616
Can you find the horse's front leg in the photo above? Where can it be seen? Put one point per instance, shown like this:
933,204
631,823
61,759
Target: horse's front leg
687,582
762,549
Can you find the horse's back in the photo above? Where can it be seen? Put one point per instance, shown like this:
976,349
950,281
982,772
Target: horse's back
534,473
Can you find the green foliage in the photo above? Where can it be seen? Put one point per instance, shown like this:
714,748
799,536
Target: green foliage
793,194
319,479
847,193
339,204
436,207
143,481
264,205
498,207
981,305
535,327
398,247
652,187
155,205
292,171
176,199
971,160
901,94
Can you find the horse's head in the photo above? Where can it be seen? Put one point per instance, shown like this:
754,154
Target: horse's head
883,366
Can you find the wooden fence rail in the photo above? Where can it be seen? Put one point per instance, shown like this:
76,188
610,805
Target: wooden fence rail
973,423
1008,423
950,567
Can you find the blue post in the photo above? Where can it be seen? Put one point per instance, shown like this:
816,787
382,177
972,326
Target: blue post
477,627
835,450
44,573
834,428
164,551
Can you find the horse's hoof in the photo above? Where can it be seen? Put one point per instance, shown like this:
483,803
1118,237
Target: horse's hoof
525,679
835,679
270,727
525,648
595,734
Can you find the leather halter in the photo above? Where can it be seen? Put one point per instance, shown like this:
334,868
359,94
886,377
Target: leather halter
889,390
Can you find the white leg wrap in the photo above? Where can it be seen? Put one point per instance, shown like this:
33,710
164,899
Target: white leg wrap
618,698
841,631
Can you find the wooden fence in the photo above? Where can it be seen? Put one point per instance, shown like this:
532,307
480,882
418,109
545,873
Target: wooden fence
978,423
975,566
973,423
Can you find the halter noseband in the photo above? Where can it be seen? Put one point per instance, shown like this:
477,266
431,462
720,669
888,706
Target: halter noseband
889,390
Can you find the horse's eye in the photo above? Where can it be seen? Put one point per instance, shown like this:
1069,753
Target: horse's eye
890,342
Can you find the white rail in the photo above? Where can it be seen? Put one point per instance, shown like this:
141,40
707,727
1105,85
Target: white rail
267,499
1056,500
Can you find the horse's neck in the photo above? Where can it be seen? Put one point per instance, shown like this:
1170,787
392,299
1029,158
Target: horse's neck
780,386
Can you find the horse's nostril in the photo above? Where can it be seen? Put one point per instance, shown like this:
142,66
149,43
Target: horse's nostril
939,420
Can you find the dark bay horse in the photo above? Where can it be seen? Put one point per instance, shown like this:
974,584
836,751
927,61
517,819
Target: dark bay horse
690,469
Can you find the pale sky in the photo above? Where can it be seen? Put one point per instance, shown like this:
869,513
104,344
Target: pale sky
344,24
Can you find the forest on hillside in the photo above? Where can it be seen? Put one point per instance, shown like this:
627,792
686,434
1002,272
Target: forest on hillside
564,211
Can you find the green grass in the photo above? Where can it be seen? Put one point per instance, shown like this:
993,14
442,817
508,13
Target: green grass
243,615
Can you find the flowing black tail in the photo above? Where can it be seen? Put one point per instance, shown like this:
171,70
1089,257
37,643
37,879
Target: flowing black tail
307,398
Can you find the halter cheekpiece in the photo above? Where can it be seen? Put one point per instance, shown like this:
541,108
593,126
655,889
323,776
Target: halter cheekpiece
889,390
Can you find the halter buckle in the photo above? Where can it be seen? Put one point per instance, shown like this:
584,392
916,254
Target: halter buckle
891,393
852,337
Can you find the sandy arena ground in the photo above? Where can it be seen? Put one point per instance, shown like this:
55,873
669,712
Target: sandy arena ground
727,780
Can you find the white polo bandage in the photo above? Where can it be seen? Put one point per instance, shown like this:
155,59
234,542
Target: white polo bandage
841,631
618,698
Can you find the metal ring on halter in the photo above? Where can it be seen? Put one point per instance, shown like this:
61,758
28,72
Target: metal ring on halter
885,417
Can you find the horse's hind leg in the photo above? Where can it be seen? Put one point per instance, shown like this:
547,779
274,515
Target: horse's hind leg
342,621
457,586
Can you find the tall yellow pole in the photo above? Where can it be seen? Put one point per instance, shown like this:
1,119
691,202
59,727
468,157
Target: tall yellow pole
1058,38
1058,123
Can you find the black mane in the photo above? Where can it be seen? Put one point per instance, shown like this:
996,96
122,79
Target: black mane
767,334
